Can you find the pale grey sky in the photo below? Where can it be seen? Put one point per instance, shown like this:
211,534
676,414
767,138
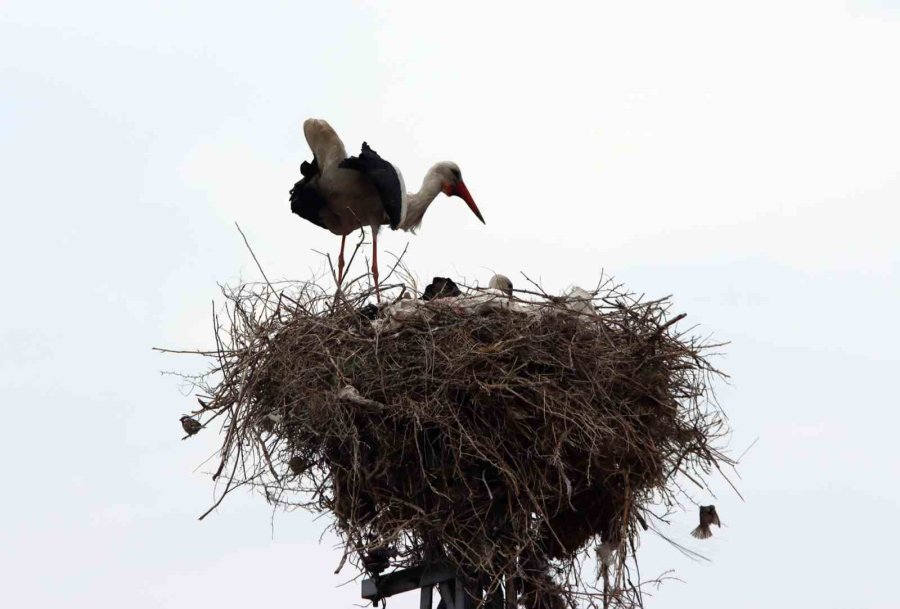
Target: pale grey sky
743,156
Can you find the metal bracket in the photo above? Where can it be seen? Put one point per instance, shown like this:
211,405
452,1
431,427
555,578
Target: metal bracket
426,577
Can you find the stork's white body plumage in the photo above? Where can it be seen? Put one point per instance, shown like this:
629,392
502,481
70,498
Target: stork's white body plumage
344,194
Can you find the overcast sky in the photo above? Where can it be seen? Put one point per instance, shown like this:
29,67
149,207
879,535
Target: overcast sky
742,156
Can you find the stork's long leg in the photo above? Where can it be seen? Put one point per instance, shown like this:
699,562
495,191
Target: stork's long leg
375,263
341,262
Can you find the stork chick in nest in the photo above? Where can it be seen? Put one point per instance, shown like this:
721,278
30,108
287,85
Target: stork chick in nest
502,283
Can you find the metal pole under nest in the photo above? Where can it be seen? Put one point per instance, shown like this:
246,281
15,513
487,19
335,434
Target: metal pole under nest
449,582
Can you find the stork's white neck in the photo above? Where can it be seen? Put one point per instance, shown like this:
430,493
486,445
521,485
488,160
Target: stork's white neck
417,203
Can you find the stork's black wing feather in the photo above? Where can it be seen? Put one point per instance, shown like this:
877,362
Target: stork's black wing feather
308,170
306,201
383,176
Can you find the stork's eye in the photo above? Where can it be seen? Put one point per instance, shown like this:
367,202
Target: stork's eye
457,174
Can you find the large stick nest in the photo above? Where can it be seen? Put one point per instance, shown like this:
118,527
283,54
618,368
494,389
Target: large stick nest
507,437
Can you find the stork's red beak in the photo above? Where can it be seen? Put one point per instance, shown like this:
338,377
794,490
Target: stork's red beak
462,192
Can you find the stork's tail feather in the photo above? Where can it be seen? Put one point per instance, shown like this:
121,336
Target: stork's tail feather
702,532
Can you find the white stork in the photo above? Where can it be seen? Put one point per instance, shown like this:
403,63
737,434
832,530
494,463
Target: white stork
344,194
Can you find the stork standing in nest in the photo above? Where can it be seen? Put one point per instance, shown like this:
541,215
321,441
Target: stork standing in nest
344,194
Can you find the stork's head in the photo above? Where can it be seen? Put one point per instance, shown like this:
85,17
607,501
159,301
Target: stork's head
453,186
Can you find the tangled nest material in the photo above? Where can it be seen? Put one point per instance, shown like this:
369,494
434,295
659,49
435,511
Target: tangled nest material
509,437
